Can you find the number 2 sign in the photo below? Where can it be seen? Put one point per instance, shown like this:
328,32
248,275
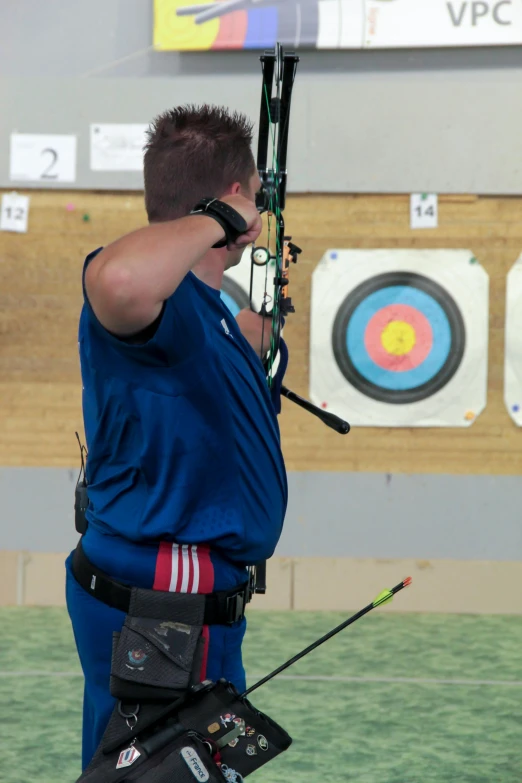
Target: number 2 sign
41,157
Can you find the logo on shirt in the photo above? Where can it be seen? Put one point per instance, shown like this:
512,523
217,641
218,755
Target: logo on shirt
225,327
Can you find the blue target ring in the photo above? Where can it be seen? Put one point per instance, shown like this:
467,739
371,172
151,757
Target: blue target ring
233,296
398,337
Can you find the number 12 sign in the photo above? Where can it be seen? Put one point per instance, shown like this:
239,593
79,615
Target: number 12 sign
42,157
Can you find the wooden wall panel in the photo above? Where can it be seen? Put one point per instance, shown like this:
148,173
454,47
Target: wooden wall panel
40,300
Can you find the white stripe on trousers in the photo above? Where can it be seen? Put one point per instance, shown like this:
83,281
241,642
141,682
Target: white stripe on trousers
188,553
195,564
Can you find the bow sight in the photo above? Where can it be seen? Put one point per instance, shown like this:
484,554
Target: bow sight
279,69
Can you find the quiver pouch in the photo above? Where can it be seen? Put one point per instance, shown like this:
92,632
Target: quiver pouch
221,708
159,652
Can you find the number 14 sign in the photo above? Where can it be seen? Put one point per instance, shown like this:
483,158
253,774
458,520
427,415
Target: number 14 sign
42,157
424,210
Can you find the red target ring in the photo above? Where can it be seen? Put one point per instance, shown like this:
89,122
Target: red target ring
420,333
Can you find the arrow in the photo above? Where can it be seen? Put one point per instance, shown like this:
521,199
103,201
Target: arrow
383,598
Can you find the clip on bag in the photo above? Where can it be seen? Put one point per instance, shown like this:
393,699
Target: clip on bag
155,658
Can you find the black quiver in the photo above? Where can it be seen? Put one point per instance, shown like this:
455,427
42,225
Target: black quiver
167,725
210,734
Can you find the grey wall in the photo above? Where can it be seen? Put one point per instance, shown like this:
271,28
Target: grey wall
373,121
329,514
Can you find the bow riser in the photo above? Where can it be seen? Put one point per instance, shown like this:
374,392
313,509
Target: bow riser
278,70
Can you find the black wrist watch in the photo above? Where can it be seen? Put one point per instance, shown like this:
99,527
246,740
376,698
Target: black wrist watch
230,221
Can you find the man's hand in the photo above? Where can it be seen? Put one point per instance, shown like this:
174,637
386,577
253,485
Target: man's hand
256,330
248,211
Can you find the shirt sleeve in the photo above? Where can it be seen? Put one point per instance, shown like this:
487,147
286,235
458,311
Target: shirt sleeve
179,332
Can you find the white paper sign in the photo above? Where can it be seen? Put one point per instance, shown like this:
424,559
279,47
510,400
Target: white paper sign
41,157
424,211
117,147
14,213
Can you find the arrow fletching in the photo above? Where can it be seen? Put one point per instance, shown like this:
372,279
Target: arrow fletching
383,598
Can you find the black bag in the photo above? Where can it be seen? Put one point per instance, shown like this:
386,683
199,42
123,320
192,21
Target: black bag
184,759
158,654
212,734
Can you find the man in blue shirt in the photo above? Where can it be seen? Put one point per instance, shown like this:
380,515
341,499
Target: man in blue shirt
186,479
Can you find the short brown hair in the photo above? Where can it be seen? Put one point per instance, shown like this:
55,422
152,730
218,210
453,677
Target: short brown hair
193,152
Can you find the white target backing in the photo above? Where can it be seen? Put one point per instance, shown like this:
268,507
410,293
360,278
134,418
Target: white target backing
399,338
513,344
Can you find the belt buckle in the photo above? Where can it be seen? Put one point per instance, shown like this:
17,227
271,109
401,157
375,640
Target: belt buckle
235,607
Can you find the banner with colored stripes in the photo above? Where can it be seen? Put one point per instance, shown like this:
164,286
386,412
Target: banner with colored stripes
334,24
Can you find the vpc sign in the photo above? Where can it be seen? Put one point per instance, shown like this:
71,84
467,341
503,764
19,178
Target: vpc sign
439,23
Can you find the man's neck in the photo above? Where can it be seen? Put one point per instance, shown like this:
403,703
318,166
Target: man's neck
211,268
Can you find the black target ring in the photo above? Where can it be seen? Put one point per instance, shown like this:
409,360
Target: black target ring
234,296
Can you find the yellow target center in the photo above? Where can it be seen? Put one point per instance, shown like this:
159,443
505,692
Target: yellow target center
398,338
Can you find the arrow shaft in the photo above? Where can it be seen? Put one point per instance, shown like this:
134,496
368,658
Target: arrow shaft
319,642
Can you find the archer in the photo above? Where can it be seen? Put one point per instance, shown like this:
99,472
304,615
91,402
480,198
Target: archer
186,481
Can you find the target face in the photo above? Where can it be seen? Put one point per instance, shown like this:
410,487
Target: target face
398,337
234,296
513,344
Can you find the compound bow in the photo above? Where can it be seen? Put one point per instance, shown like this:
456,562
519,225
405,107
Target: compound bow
279,68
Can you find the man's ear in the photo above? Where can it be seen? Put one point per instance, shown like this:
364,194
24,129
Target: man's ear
233,190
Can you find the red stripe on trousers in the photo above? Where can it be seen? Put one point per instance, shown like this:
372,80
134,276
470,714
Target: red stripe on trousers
163,567
190,582
163,576
204,662
180,570
206,585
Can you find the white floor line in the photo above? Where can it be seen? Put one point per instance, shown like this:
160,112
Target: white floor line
398,680
312,678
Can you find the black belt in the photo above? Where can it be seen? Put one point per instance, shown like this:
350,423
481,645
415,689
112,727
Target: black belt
221,608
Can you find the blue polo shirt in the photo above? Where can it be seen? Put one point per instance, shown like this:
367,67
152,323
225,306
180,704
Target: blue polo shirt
182,437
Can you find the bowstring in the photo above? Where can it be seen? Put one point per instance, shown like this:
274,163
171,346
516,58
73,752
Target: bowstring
273,210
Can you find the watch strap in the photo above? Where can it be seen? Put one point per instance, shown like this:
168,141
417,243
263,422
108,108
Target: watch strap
232,223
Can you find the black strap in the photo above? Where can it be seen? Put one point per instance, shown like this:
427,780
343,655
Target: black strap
232,223
221,608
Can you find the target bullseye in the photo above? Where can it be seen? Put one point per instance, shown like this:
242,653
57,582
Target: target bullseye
398,337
